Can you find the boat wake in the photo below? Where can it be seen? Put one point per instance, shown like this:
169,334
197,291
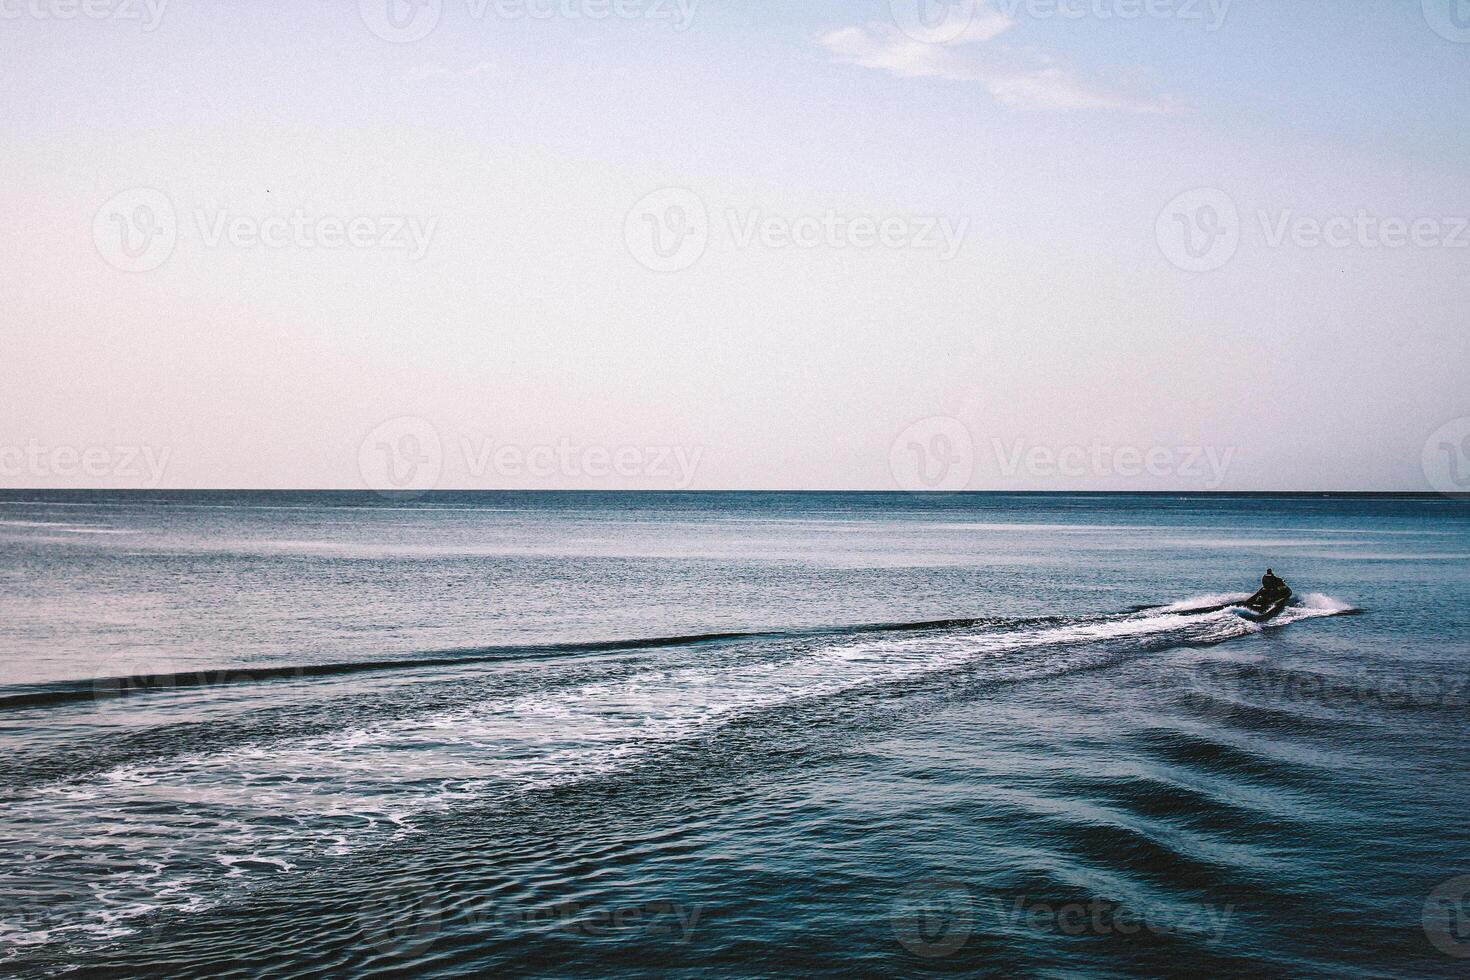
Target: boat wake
185,830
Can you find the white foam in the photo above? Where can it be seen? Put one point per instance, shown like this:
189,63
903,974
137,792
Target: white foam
1316,604
275,806
1203,601
1316,600
65,527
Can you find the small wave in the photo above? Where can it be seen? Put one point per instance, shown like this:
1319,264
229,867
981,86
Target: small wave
63,692
1320,605
1199,603
65,527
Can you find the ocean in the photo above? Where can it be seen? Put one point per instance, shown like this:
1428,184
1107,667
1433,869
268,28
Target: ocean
744,734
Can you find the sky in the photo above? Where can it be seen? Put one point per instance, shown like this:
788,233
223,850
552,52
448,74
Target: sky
664,244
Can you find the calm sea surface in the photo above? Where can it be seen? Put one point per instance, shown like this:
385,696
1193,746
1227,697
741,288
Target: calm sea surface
731,734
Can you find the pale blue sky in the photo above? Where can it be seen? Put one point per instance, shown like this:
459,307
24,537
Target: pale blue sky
523,144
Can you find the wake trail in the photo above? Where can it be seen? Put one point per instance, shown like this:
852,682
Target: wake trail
178,833
153,681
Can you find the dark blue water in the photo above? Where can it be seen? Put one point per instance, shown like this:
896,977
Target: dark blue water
748,734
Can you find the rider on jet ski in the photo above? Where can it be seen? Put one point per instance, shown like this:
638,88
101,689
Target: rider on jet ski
1273,591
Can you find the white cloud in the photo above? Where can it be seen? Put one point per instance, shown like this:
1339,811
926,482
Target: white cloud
1053,88
1037,87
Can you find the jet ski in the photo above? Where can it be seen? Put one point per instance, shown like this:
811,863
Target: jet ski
1266,604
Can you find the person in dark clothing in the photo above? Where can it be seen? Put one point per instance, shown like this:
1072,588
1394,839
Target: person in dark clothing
1273,590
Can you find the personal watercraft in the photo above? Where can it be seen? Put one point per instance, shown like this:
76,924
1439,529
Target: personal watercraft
1266,604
